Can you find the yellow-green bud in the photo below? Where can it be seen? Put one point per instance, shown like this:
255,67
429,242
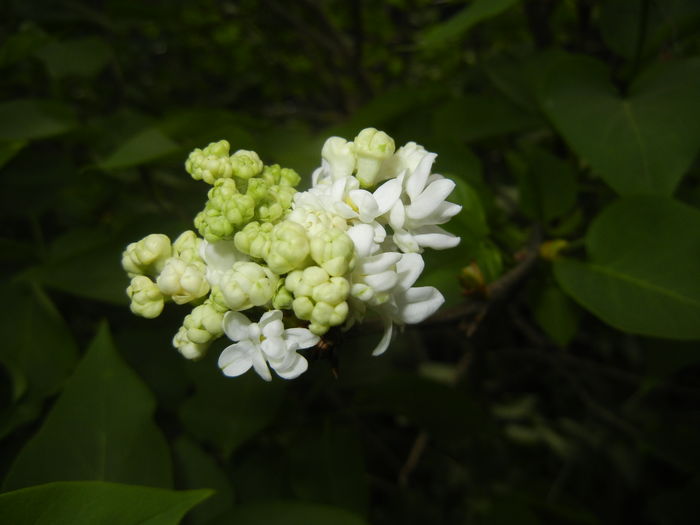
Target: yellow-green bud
146,298
147,256
210,163
333,292
225,211
255,239
283,298
334,251
289,247
204,323
186,247
187,347
246,164
326,315
275,175
318,298
248,284
183,281
372,148
303,308
217,301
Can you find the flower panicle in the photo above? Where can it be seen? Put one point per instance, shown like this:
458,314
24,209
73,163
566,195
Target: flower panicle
311,260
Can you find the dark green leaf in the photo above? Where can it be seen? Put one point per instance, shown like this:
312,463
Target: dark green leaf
23,119
98,503
197,469
642,274
327,466
80,57
556,314
641,143
146,146
459,24
9,149
276,512
101,428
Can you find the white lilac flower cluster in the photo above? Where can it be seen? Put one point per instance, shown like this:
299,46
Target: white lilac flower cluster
303,261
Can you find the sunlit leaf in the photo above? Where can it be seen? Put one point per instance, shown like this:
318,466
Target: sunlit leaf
100,428
72,502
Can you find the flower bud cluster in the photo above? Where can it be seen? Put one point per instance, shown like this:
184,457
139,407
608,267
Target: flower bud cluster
326,257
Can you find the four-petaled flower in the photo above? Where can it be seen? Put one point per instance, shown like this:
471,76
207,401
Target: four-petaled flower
262,343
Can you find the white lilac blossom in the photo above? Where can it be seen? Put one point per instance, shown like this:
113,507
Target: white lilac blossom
277,269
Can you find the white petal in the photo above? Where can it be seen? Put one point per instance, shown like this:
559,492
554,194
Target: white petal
429,200
387,194
271,316
235,359
445,212
295,369
382,282
417,180
301,337
236,326
386,338
260,365
436,238
362,236
365,203
405,241
378,263
417,304
274,348
409,269
397,217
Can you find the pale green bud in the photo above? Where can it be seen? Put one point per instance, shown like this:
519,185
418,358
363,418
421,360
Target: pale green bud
372,147
225,211
146,299
289,248
272,201
276,175
303,282
147,256
339,154
246,164
255,239
248,284
332,292
186,247
211,163
334,251
325,315
204,323
187,347
283,298
217,300
303,308
183,281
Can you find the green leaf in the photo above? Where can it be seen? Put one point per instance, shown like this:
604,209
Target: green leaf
26,119
476,117
98,503
145,146
197,469
225,412
640,143
83,57
556,314
642,274
547,186
100,428
275,512
9,149
459,24
327,466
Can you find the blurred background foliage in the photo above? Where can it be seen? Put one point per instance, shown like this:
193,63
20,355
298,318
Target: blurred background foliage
559,384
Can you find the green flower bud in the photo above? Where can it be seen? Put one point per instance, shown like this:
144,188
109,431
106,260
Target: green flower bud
217,301
332,292
303,308
248,284
183,281
326,315
334,251
147,256
146,299
277,176
289,247
318,298
211,163
187,347
255,239
371,147
283,298
225,211
186,247
246,164
302,282
204,323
